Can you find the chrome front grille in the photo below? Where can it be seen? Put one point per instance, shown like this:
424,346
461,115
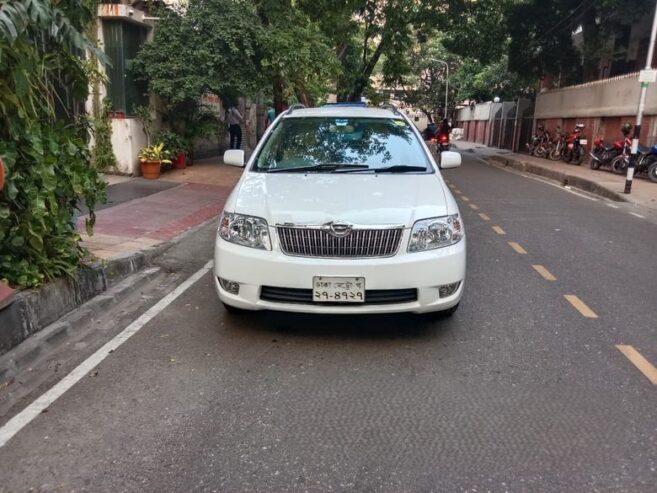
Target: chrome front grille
360,243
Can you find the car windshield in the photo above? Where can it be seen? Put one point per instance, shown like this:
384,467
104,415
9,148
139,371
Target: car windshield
342,145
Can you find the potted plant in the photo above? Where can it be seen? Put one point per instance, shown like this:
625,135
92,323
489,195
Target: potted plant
151,159
175,145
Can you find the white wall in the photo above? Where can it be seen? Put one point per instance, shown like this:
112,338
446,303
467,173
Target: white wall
480,112
618,96
127,138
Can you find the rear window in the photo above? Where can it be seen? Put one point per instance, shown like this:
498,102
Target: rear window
375,142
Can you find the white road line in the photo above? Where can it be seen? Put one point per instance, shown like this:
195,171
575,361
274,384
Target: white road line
638,215
612,206
22,419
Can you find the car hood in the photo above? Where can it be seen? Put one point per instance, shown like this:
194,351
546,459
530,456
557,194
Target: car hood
361,199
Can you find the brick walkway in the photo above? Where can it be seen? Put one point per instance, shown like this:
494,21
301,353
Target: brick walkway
148,221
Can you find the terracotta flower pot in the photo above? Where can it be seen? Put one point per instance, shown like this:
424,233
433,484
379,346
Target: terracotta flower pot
151,169
181,161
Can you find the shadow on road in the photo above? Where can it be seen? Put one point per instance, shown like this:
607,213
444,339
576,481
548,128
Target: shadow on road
345,327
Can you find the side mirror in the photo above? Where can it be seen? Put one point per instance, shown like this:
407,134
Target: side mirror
450,159
234,157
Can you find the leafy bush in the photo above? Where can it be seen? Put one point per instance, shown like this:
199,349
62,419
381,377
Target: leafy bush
47,160
173,142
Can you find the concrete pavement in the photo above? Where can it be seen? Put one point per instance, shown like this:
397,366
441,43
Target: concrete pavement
610,185
522,390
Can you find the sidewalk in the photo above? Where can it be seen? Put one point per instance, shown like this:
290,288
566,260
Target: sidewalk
599,182
146,213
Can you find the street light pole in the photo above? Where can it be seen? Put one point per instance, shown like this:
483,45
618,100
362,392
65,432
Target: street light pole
646,76
446,80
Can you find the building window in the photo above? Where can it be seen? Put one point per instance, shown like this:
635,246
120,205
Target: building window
122,41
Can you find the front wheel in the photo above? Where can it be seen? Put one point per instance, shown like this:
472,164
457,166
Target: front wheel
619,164
555,154
596,160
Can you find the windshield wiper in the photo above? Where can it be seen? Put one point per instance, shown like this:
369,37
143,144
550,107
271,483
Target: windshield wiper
320,168
400,168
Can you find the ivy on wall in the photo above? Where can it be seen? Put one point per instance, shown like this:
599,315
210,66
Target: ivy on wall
43,144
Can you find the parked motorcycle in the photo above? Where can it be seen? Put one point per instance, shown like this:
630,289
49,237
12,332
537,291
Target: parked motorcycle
557,145
540,142
602,154
573,152
648,164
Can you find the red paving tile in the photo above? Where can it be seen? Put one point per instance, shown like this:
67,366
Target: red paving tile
163,215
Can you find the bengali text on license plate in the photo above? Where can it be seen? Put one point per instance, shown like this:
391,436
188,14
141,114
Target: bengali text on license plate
339,289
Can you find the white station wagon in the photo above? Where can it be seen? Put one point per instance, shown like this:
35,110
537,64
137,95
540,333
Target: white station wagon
341,209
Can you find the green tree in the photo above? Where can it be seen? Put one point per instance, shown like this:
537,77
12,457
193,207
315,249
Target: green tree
296,54
540,47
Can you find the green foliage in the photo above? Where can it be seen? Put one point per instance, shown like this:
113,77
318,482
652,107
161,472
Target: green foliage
155,152
48,163
475,81
102,153
48,172
145,116
209,49
538,47
173,142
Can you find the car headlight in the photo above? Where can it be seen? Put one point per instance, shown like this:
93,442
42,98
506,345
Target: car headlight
437,232
244,230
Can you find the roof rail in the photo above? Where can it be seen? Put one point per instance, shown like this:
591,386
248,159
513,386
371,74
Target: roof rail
391,107
296,106
347,103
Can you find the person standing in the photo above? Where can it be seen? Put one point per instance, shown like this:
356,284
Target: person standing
271,114
234,119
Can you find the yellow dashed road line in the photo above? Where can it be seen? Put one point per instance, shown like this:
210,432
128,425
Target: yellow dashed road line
456,190
474,207
545,274
517,247
580,306
484,216
643,365
498,230
464,198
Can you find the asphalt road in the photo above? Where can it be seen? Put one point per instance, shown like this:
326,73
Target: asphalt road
521,390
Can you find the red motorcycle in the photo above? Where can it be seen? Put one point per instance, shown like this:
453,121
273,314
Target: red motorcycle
573,152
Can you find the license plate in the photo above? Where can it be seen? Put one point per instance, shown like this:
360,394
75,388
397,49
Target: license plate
339,289
583,142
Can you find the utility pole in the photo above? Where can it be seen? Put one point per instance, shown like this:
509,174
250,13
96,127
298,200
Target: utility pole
646,77
446,80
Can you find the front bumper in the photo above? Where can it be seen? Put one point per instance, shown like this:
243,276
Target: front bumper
424,271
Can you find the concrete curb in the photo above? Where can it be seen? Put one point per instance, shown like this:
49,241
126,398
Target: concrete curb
35,309
560,176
